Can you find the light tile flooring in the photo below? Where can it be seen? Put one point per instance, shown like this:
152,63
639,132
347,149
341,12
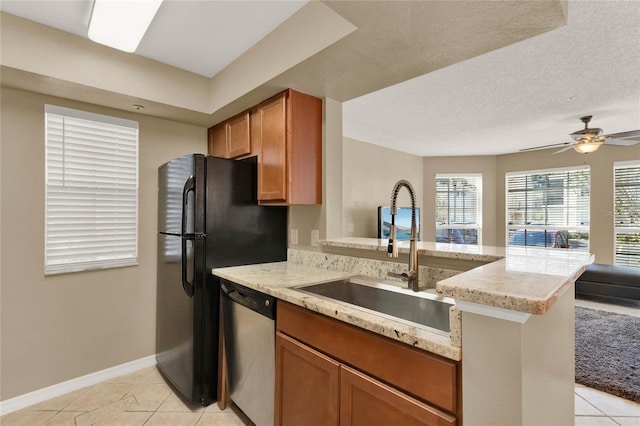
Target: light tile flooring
140,398
143,398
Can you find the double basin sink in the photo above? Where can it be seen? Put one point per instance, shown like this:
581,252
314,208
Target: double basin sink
397,303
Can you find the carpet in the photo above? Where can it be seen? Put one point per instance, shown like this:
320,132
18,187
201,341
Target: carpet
608,352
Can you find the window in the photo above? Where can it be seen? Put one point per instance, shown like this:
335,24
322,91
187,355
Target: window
627,213
91,214
459,209
549,208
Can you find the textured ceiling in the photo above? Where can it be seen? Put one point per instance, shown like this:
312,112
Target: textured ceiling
527,94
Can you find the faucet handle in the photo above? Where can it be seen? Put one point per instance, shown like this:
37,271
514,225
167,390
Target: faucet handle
392,249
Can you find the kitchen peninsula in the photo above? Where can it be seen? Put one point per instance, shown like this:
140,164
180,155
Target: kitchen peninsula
512,327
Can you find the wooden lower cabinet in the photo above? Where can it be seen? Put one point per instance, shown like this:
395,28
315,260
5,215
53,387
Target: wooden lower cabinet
307,384
365,401
319,383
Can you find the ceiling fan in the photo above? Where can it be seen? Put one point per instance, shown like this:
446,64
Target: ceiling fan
588,140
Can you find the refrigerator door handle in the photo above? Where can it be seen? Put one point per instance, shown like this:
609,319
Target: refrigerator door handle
186,284
189,186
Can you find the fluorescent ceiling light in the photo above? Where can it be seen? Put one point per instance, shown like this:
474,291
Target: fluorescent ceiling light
121,23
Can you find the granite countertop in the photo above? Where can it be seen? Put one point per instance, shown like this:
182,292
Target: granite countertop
277,279
522,279
424,248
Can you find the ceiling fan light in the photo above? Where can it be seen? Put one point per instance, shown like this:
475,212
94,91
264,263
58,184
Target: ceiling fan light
121,24
587,147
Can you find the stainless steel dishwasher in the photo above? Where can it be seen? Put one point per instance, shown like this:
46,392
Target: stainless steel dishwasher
249,337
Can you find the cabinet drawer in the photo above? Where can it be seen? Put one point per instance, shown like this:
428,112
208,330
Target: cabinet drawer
426,376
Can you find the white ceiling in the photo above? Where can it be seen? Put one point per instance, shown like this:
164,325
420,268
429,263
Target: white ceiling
195,35
526,94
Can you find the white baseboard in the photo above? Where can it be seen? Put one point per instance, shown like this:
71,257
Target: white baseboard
53,391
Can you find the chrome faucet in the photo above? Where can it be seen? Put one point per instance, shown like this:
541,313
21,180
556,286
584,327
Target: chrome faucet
411,276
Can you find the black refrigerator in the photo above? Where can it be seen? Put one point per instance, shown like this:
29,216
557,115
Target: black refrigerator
208,217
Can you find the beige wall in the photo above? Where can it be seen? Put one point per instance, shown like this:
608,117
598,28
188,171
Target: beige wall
601,162
61,327
485,165
369,173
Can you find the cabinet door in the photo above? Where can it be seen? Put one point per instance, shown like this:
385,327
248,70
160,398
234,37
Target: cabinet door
272,161
238,131
218,141
307,385
366,402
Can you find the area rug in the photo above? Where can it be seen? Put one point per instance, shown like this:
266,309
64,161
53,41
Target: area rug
608,352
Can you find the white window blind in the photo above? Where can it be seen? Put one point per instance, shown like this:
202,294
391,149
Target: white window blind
459,208
627,213
549,208
91,219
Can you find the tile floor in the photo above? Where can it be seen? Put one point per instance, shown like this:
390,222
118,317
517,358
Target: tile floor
143,398
139,398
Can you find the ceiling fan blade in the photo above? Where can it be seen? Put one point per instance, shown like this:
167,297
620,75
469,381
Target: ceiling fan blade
624,135
545,146
622,142
566,148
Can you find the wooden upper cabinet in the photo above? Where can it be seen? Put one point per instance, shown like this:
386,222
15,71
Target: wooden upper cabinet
231,138
285,132
272,157
238,136
290,153
218,141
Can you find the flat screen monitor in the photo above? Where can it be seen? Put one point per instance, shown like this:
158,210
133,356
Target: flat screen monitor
403,222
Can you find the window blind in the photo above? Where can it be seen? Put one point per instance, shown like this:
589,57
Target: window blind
627,213
458,208
91,215
549,207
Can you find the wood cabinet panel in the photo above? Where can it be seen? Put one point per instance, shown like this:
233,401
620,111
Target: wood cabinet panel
428,377
272,159
238,136
231,138
366,402
305,147
218,140
307,384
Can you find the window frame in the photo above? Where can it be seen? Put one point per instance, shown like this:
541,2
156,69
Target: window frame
547,228
107,192
478,225
623,229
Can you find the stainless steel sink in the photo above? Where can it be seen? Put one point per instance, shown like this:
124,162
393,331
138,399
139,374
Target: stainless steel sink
392,301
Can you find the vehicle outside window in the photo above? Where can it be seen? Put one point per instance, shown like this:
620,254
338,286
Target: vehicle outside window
446,235
457,235
539,238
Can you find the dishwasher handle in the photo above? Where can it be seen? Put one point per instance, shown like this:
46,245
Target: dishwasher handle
249,298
